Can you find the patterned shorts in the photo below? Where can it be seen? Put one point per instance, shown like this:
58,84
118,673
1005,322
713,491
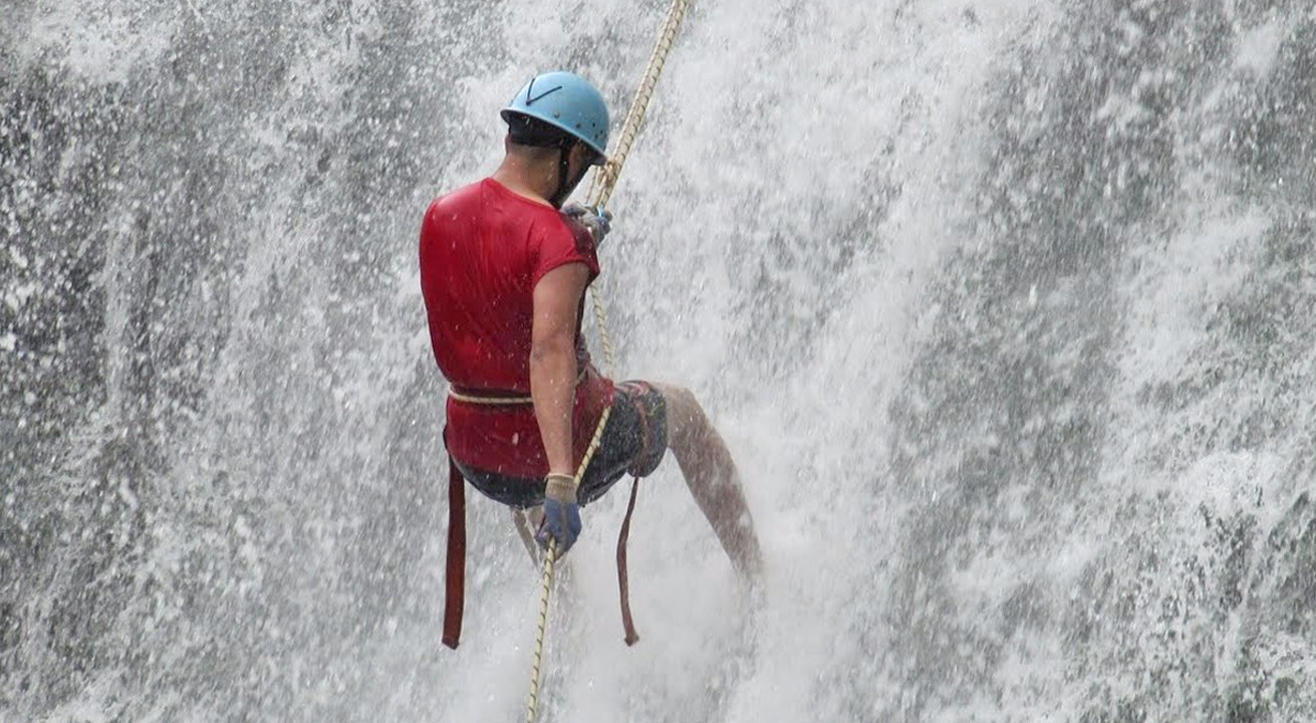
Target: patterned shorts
633,442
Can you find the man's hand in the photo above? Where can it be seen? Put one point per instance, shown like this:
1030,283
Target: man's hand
561,513
598,224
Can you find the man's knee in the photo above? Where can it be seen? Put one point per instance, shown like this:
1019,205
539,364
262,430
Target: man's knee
685,418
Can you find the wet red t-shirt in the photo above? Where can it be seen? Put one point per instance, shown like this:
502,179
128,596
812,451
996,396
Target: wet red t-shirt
482,250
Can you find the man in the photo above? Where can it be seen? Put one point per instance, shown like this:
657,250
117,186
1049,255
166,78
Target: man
503,273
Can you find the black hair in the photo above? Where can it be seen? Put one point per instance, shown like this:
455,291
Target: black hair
527,131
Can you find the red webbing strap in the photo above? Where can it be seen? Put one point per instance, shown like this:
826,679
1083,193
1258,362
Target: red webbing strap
626,621
455,578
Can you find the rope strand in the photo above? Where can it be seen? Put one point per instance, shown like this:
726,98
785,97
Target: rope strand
533,700
546,588
605,178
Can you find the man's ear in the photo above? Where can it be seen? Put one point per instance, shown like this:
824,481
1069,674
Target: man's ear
582,154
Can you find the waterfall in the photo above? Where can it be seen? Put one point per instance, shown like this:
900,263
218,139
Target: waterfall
1005,307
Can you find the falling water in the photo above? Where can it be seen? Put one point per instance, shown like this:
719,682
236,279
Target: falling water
1006,308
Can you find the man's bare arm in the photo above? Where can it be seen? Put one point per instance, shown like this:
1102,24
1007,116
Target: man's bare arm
553,359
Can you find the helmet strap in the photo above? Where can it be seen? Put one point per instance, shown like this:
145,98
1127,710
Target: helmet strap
564,188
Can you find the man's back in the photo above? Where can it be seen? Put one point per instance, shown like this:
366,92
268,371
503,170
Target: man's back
482,250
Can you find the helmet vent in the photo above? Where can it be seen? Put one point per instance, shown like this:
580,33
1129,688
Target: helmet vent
531,88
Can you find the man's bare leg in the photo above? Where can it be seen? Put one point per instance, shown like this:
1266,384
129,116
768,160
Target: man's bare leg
526,522
712,477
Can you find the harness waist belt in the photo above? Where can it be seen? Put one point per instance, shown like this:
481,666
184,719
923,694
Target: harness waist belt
499,397
492,397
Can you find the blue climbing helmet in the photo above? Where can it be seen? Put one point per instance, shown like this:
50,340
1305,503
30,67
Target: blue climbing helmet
568,102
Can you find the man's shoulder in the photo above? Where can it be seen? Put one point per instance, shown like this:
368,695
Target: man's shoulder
461,197
579,235
452,210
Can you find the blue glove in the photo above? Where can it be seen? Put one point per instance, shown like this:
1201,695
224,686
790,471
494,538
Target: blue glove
598,224
561,513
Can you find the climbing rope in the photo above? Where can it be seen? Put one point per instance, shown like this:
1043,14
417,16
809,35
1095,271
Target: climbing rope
539,631
605,177
533,701
600,191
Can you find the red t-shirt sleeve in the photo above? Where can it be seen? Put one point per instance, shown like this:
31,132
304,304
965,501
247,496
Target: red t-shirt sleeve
563,243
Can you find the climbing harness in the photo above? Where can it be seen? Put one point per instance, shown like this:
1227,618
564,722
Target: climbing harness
495,398
490,401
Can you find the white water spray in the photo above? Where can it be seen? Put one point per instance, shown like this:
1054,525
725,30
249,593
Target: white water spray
1005,309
